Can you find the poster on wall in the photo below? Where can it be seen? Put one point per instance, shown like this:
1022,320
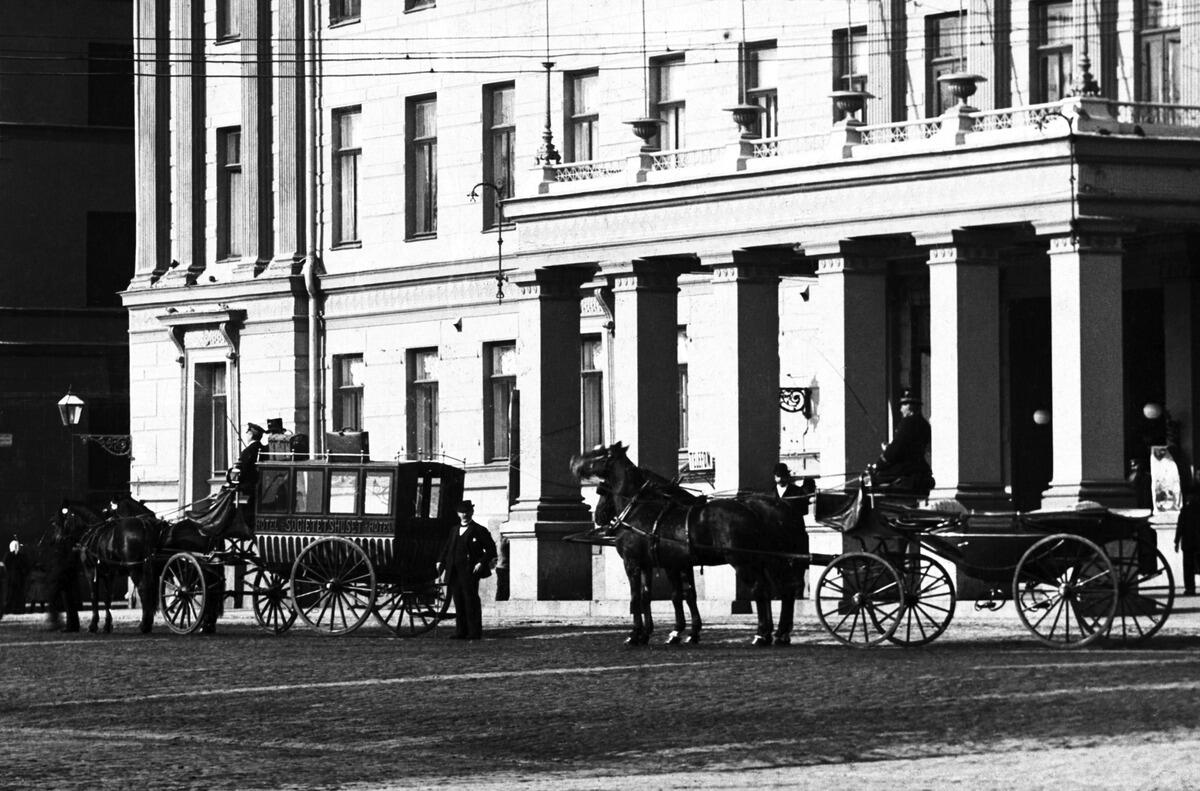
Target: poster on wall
1164,479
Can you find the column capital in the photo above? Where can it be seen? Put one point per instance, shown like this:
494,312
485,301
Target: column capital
963,255
1083,242
645,274
560,282
850,264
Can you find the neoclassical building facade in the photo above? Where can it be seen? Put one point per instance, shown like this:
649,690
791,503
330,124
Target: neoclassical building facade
724,233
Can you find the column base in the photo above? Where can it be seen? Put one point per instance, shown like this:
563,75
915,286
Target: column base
541,565
1112,494
976,496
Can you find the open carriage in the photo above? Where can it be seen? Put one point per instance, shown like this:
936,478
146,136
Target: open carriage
334,544
1074,576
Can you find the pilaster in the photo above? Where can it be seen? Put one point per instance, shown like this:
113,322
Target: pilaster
187,193
256,132
152,118
550,506
1181,337
887,32
289,170
1086,347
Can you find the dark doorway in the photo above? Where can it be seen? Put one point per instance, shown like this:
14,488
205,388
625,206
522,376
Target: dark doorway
1030,372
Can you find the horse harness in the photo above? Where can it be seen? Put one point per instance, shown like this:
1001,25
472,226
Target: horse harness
653,534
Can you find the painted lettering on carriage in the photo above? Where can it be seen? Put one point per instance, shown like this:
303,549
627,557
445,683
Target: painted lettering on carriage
327,525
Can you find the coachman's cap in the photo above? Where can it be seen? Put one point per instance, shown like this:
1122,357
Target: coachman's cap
465,507
909,397
255,427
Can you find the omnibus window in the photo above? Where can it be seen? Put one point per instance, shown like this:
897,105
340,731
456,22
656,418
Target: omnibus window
309,492
273,491
435,497
378,495
343,492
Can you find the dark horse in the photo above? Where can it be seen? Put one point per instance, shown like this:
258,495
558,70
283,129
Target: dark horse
754,533
636,555
127,537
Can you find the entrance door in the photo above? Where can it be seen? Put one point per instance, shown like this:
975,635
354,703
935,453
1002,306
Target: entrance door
1029,377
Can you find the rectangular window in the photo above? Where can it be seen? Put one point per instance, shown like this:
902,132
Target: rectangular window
343,492
110,85
422,166
348,391
309,497
417,5
1158,50
344,11
423,404
762,81
500,131
347,151
591,392
683,406
210,427
944,53
1053,38
227,20
667,91
583,119
500,379
231,194
850,62
377,493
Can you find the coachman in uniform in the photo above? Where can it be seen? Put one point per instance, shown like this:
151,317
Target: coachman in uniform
902,465
467,557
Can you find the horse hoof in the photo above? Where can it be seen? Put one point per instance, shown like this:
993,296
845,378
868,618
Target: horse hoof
783,639
92,628
691,639
674,638
761,641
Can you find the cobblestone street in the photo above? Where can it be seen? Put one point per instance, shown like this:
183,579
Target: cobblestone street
555,705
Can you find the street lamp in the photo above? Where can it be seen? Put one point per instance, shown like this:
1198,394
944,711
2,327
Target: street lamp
70,409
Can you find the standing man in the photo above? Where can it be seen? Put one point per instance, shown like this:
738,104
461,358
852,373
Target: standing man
1187,534
247,463
797,498
467,557
902,464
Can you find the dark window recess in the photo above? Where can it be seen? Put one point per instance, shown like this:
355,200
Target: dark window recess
110,85
110,252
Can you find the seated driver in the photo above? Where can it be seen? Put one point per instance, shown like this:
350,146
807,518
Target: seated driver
902,464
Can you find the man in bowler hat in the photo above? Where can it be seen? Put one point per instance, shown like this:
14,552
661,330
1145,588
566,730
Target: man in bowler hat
467,557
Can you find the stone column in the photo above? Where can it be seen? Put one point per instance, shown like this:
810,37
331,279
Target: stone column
187,32
1088,382
256,132
645,364
737,372
853,405
887,32
152,119
542,565
290,145
965,409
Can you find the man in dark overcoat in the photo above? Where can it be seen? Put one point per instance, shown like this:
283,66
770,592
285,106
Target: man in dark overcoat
467,557
247,463
902,463
796,496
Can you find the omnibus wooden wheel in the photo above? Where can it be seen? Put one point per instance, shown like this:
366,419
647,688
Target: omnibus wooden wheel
333,585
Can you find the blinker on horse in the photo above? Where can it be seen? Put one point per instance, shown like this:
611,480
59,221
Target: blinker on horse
660,525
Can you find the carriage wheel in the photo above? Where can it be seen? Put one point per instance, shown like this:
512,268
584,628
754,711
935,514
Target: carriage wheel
272,603
182,593
1145,597
860,599
1065,589
333,585
928,601
410,610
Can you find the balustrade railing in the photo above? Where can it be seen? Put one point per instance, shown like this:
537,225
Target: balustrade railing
685,158
902,132
1031,116
1146,113
786,146
590,169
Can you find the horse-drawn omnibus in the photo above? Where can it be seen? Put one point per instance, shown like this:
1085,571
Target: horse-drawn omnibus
333,544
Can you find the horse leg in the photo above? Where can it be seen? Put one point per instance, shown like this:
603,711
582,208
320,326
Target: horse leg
635,605
689,594
70,593
675,577
108,597
762,606
93,626
148,593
